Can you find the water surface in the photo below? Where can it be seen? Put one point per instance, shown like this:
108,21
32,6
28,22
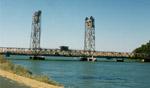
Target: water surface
76,74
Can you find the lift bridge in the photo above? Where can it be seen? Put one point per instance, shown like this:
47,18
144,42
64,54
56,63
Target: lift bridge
89,43
67,53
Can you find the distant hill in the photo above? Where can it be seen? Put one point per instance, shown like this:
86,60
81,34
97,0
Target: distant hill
143,49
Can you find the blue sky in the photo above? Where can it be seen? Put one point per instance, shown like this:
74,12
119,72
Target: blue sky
121,25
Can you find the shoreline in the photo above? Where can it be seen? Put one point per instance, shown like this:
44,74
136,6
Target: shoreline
27,81
8,83
22,75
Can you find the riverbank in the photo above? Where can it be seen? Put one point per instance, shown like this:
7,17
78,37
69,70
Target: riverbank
24,76
8,83
27,81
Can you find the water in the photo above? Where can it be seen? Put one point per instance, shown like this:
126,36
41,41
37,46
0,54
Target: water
76,74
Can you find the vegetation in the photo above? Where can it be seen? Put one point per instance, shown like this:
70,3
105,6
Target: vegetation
143,51
19,70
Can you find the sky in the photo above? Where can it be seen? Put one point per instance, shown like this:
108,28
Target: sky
120,25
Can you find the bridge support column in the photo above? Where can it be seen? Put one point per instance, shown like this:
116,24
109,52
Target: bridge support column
145,60
88,59
119,60
37,57
7,54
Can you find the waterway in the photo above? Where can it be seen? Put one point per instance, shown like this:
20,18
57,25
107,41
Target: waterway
102,74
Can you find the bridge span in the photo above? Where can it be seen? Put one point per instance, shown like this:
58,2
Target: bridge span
67,53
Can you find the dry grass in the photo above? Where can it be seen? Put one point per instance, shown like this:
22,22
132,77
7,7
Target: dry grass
19,70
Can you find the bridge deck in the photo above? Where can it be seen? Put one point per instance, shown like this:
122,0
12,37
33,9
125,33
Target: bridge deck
69,53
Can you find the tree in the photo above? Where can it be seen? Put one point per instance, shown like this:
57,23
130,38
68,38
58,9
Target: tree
143,51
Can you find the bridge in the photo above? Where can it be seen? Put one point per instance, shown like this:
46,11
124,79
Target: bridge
89,43
67,53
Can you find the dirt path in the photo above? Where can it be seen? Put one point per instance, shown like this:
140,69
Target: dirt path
8,83
26,81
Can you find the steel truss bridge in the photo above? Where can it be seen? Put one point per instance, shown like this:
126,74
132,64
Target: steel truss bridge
67,53
89,43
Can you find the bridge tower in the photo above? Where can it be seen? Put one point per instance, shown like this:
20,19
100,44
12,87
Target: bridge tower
89,39
35,33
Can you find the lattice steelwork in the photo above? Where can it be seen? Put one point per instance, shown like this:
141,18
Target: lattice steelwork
89,41
36,31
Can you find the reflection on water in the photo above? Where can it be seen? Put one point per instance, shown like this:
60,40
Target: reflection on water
76,74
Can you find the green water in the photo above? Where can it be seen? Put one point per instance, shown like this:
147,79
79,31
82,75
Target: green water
76,74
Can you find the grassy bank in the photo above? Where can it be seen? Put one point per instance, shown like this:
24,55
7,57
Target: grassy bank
19,70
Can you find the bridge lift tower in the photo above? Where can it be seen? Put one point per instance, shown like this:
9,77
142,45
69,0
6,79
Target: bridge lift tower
36,35
89,38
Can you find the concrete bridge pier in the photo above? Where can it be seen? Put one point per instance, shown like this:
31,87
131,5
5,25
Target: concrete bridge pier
120,60
145,60
88,59
35,57
7,54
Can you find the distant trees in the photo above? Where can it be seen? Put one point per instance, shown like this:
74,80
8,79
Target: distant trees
143,51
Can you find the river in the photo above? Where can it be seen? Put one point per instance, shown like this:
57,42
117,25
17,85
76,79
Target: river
102,74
